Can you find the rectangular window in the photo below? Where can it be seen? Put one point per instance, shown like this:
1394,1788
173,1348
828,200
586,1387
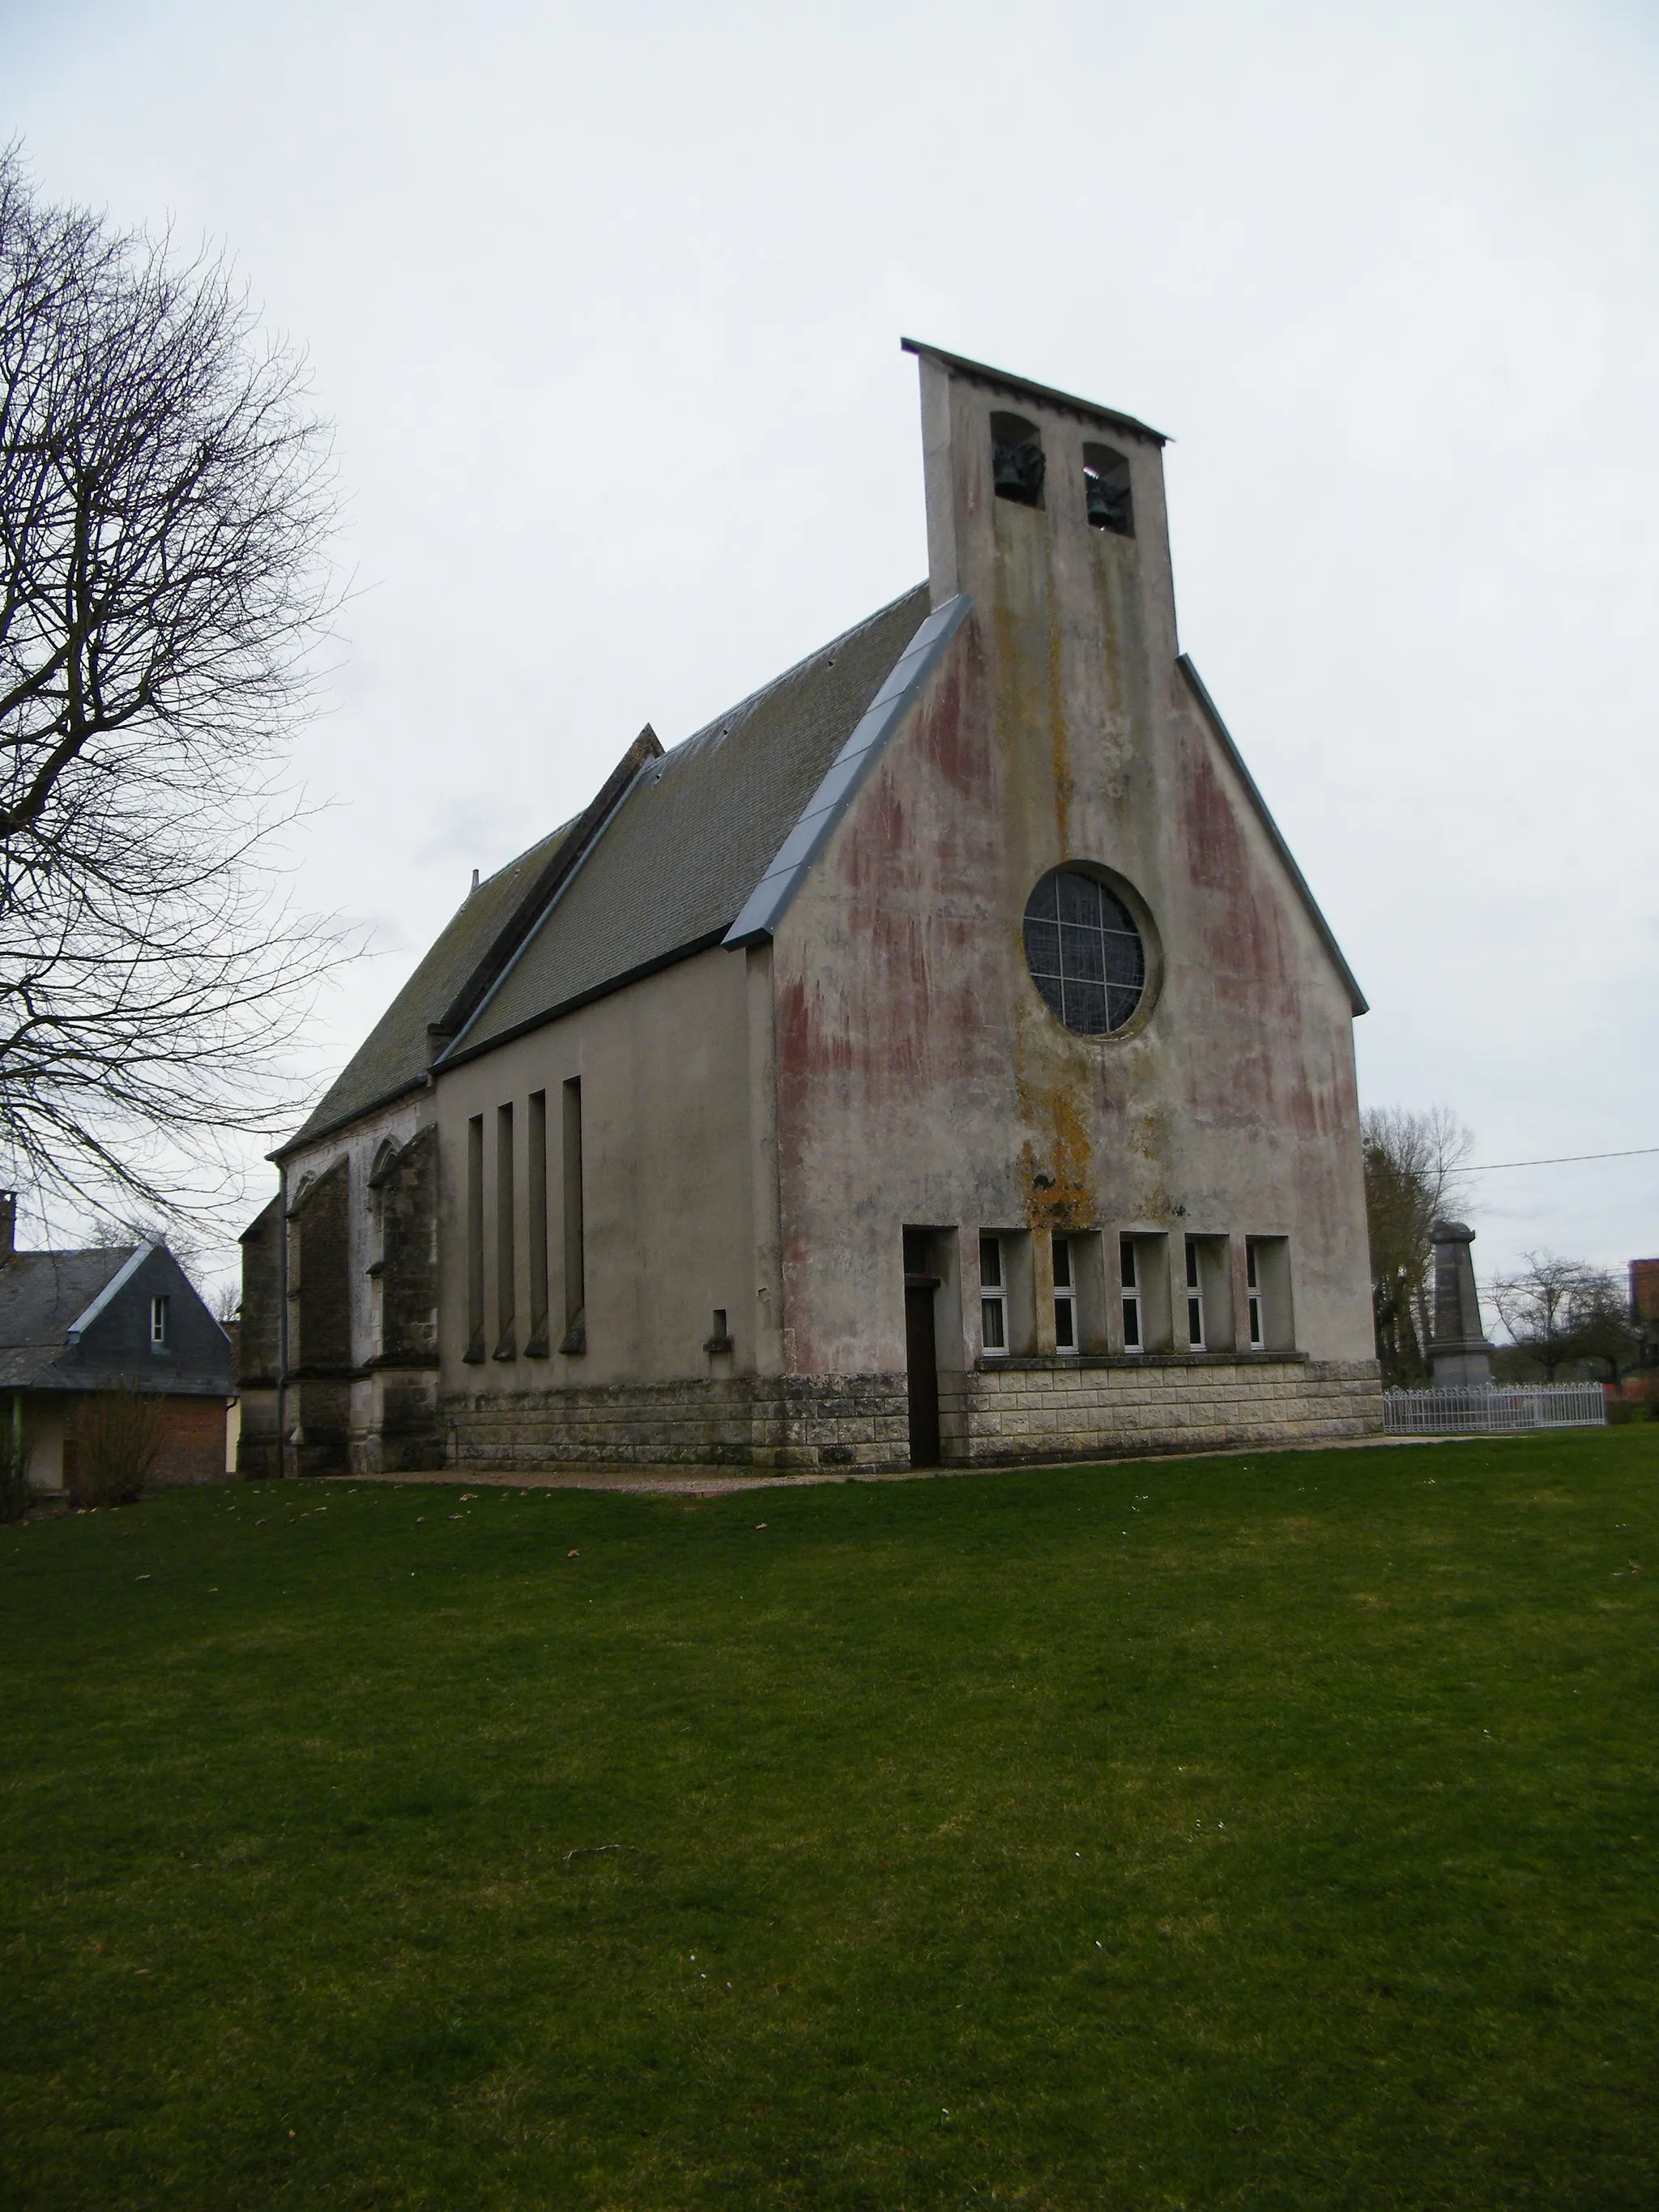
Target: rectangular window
575,1265
1065,1336
1134,1336
1194,1299
536,1222
1253,1288
993,1298
475,1253
158,1320
506,1258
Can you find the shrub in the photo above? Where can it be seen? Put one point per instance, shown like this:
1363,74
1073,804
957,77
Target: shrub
13,1473
118,1441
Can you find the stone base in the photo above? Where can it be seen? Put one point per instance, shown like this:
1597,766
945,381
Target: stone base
1461,1367
1012,1412
793,1423
1024,1410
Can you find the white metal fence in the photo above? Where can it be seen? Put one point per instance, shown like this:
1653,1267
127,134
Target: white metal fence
1467,1411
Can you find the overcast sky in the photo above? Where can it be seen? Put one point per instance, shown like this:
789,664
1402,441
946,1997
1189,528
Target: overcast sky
605,303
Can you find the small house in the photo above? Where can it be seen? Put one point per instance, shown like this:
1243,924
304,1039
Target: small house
125,1317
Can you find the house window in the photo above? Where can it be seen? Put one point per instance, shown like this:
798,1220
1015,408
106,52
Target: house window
1106,491
1134,1334
1084,953
1194,1299
1252,1294
158,1321
1016,462
993,1297
1066,1337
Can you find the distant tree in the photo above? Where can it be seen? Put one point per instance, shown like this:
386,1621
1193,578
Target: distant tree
1560,1312
165,500
1604,1328
1411,1161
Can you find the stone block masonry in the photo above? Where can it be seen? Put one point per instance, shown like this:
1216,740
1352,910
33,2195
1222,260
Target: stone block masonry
1019,1410
787,1422
1012,1413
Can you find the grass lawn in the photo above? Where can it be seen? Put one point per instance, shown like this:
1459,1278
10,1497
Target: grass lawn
1266,1833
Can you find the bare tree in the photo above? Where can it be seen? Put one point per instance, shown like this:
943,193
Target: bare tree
1561,1311
1605,1330
1411,1161
165,502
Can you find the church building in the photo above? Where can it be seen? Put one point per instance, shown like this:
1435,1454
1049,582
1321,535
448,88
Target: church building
939,1058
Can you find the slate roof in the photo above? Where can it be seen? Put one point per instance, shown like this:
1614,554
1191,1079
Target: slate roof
41,1295
696,831
397,1051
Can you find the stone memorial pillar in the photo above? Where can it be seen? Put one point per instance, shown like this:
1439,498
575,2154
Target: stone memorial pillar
1458,1349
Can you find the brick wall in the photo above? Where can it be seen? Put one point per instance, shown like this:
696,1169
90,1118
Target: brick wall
192,1447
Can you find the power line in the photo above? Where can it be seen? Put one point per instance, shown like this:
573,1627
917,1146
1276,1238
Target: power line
1562,1160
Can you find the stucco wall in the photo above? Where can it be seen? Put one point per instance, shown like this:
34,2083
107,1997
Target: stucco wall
679,1187
43,1434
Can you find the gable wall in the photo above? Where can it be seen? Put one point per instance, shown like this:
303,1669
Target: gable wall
921,1077
197,1356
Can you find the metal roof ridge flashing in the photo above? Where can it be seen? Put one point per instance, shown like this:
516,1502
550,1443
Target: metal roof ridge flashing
595,839
1326,934
122,1275
980,372
836,788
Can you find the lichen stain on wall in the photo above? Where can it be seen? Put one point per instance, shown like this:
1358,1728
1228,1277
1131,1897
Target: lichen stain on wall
1061,739
1055,1166
1032,722
1113,741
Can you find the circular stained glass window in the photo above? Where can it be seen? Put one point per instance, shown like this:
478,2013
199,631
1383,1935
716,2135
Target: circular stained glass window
1084,953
